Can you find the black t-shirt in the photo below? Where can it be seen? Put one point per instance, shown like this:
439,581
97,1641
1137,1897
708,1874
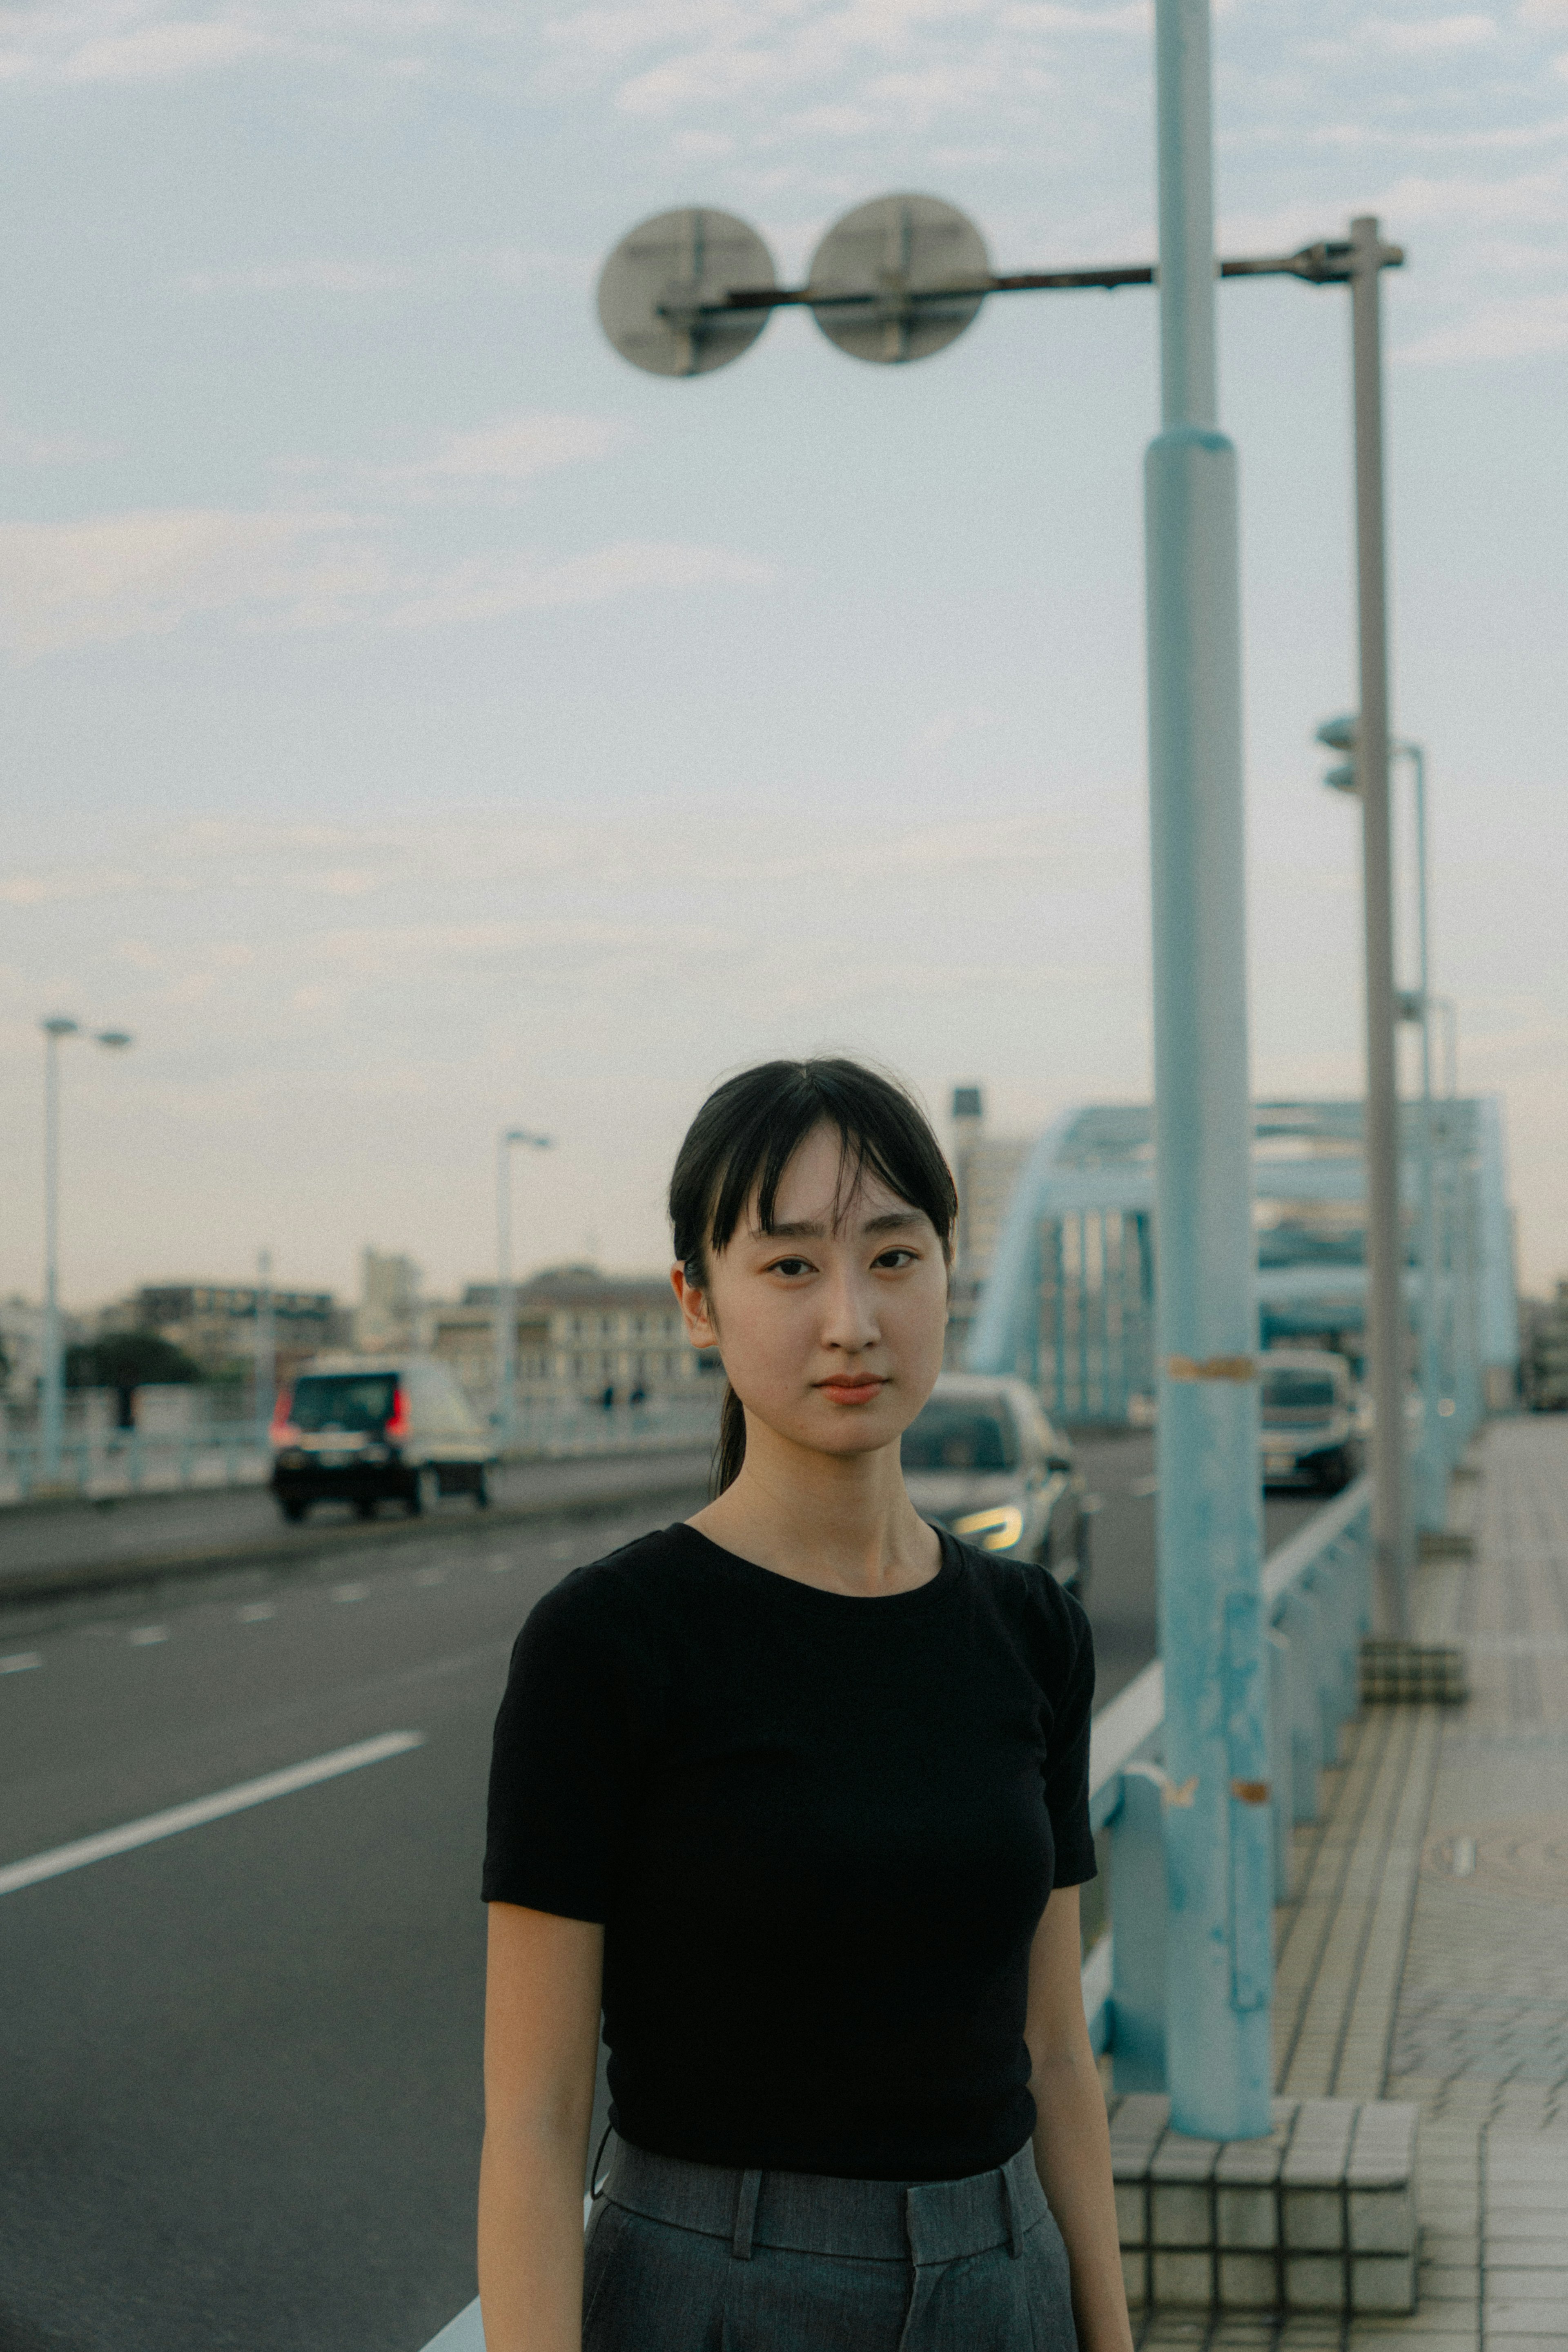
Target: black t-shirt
819,1832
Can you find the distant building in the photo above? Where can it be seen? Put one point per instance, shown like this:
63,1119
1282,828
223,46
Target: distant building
985,1168
214,1322
388,1314
580,1332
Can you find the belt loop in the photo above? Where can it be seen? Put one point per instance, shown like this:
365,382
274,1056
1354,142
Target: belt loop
745,2215
1010,2198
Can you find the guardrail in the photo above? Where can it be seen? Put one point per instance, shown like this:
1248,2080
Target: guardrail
215,1455
1317,1601
107,1463
1317,1598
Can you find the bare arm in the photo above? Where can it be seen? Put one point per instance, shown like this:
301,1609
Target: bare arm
1071,2137
541,2040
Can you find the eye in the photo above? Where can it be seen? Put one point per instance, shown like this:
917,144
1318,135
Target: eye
789,1266
893,1261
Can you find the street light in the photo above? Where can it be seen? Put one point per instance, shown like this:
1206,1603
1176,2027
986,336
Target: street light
1387,1347
266,1352
506,1307
57,1026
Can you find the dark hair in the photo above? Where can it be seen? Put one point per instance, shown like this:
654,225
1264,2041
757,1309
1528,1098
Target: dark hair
744,1138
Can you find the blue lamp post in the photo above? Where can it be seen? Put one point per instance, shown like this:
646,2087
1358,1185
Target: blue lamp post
1219,1962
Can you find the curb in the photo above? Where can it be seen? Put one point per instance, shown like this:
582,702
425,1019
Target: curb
679,1477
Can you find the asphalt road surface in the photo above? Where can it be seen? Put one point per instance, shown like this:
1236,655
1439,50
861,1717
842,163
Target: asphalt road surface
239,2066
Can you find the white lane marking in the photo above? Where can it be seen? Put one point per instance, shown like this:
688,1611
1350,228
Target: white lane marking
499,1561
20,1662
255,1612
562,1551
145,1635
153,1826
350,1591
429,1575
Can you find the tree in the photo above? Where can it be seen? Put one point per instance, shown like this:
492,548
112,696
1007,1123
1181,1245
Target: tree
126,1361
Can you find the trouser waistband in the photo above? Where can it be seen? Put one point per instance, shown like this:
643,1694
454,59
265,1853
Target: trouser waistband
814,2213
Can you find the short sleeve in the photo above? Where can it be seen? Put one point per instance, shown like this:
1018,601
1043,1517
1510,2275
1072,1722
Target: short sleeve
564,1760
1066,1765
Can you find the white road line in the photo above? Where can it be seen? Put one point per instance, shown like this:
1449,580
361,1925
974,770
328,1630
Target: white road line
20,1662
154,1826
256,1613
145,1635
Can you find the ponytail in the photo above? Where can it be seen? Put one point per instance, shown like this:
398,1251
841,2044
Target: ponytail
730,1452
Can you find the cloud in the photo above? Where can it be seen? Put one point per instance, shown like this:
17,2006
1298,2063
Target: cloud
20,448
487,589
321,276
1517,329
160,52
1420,36
144,573
141,573
514,449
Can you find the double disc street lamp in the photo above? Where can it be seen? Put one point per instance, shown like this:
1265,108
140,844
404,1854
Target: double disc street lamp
56,1027
896,281
1415,1005
507,1142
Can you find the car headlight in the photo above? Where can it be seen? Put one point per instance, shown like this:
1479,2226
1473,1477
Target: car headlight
997,1530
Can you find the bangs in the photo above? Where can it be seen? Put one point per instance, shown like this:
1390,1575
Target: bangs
748,1130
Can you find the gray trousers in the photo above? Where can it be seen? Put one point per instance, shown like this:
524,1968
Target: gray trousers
694,2258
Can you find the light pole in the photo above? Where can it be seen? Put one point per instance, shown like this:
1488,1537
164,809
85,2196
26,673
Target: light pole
1218,1844
506,1302
266,1350
55,1027
1431,1473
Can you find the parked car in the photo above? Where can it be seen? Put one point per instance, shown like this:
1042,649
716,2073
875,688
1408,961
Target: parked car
358,1429
983,1460
1310,1418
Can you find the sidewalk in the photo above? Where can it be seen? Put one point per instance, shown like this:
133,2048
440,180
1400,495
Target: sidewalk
1424,1954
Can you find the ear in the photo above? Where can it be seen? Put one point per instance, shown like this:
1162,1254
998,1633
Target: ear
694,1311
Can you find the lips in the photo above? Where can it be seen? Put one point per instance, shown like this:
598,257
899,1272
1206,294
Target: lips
852,1391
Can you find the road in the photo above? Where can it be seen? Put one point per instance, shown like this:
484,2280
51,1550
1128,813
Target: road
242,2063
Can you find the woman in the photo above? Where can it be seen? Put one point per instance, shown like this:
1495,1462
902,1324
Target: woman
786,1791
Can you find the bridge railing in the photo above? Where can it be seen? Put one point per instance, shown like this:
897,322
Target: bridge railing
211,1456
1317,1598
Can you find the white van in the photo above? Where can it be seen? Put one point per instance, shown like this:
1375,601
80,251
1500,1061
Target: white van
358,1429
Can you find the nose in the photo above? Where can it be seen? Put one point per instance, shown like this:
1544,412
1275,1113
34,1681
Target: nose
850,1317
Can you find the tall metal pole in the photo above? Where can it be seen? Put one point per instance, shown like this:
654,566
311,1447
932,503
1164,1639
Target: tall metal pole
266,1350
1219,1962
1432,1477
506,1303
52,1398
1384,1224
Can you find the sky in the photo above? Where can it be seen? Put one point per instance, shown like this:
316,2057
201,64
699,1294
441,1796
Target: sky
417,721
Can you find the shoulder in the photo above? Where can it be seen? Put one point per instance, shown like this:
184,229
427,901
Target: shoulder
1045,1618
614,1601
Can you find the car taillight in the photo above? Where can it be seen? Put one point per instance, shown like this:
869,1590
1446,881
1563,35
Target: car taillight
396,1428
283,1430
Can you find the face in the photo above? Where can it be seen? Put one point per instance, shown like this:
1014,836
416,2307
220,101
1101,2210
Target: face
831,1329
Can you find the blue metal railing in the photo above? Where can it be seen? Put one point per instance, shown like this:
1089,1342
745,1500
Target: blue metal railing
1317,1598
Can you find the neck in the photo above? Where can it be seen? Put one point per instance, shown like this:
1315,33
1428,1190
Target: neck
844,1522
